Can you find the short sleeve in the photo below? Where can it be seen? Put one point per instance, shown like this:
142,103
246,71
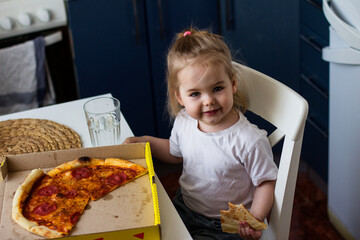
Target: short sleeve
175,139
260,163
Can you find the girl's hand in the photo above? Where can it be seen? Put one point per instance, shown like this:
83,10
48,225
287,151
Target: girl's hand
134,140
247,233
160,148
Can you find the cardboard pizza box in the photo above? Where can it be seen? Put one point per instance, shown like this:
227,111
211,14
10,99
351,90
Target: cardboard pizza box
129,212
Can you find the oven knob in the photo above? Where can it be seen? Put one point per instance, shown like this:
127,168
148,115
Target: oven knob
6,23
25,19
43,15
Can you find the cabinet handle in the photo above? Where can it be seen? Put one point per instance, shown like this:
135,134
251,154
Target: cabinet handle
219,17
317,127
315,4
228,15
161,22
312,43
309,80
136,18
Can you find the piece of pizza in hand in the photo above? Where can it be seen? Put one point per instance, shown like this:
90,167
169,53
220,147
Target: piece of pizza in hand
238,213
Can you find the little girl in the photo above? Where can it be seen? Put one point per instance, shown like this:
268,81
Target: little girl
225,157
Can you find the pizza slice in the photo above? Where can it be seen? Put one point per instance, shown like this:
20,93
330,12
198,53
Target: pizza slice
97,176
50,204
237,213
46,207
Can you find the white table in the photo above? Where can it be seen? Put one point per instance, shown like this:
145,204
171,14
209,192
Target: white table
72,115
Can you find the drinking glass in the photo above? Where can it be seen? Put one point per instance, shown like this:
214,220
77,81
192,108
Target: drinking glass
103,120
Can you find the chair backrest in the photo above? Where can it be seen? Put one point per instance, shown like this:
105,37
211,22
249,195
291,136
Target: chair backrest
286,110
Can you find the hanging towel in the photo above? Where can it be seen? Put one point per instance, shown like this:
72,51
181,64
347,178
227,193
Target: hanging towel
23,77
46,93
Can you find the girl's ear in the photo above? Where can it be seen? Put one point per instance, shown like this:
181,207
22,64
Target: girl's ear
234,84
178,97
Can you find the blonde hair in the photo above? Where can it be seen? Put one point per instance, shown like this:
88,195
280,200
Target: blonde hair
198,47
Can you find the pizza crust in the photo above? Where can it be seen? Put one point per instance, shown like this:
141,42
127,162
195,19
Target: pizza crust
126,164
20,196
86,161
230,219
79,162
46,232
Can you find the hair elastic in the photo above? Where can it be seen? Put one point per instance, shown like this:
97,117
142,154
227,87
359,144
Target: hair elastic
187,33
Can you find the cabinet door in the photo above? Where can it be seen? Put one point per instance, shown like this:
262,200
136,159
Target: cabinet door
111,56
264,34
314,85
165,19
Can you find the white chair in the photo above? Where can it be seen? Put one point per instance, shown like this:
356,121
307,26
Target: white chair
287,111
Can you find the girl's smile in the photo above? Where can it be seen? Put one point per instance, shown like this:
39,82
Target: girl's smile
206,92
211,113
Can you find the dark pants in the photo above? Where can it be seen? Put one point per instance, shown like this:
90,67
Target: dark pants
199,226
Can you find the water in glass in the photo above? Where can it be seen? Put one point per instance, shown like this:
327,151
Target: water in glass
104,130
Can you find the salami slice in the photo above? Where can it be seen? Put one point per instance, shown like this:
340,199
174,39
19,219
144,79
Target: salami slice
81,172
47,191
116,179
44,209
74,218
71,194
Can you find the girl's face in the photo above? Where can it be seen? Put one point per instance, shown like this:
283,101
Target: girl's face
206,92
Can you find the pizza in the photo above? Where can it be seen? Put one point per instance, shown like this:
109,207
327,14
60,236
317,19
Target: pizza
237,213
49,204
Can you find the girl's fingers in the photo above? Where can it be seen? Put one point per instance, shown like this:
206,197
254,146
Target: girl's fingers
247,233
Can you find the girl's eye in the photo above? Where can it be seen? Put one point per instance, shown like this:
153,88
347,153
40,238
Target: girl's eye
194,94
217,89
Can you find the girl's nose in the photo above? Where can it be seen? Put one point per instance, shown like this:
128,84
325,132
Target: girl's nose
209,100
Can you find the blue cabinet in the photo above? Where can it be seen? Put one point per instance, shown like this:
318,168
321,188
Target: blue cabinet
264,34
111,56
314,85
121,46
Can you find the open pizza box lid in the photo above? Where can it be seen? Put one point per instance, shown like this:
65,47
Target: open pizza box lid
129,212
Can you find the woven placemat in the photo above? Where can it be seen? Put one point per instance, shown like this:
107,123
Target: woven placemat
29,135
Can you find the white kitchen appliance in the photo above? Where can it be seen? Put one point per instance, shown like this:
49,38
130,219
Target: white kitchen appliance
23,20
18,17
343,55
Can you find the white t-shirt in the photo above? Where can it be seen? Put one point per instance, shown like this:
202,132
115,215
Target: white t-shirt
223,166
